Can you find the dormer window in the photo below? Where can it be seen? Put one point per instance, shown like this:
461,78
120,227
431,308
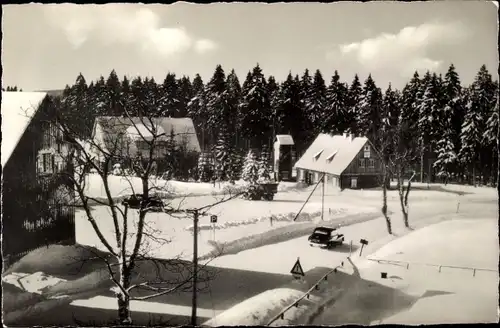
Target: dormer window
366,153
318,154
331,156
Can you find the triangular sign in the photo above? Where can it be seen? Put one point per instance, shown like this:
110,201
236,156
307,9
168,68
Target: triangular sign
297,269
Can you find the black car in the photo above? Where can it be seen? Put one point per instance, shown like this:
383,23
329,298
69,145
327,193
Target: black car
325,237
153,203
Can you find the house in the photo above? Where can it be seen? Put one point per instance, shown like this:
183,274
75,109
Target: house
283,157
130,137
37,194
348,162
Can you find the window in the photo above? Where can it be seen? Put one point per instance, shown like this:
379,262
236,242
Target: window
366,151
330,157
362,163
45,163
371,163
318,154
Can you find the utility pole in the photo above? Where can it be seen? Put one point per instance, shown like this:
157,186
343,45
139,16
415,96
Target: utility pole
323,198
195,268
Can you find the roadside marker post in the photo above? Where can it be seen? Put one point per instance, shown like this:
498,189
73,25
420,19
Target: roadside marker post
213,220
363,243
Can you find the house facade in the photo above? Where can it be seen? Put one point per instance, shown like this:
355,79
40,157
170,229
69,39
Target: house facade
347,162
130,138
37,194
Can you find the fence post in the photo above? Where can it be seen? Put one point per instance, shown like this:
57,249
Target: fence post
350,249
474,274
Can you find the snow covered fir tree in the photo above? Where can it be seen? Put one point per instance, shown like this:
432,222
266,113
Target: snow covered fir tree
250,173
448,128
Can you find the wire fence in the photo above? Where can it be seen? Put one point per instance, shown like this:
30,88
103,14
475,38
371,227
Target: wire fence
439,266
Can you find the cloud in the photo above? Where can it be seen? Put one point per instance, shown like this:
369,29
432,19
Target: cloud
205,45
122,24
404,52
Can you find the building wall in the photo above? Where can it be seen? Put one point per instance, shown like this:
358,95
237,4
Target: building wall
364,181
31,213
355,166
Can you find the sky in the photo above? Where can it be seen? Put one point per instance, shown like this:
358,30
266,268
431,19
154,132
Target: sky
47,46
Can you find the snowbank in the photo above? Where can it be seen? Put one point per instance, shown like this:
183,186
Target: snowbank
121,186
31,282
303,217
257,310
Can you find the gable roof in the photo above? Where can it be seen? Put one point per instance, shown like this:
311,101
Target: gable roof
113,127
318,157
284,139
18,108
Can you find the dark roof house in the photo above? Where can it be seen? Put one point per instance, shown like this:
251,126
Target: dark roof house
351,161
35,172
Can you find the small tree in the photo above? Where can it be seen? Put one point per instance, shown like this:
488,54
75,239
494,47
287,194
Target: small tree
263,172
250,172
223,156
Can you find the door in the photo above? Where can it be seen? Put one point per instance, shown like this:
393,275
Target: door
354,183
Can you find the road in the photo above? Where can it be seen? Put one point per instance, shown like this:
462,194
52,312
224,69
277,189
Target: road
253,271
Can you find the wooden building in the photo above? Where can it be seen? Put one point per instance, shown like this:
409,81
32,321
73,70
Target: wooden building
128,138
37,194
347,162
283,157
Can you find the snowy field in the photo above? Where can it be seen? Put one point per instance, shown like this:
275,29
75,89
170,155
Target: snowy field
445,238
121,186
237,219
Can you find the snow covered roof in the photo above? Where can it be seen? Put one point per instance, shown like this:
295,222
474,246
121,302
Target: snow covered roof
284,139
113,127
18,108
331,154
141,131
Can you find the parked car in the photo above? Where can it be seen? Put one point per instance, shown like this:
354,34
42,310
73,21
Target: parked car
325,237
154,203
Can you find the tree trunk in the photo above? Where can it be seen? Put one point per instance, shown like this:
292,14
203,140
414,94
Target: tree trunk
384,203
124,298
421,162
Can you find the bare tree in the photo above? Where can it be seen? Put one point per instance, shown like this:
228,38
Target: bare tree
137,143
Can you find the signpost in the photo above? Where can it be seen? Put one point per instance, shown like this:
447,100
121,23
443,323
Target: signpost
213,220
363,243
297,270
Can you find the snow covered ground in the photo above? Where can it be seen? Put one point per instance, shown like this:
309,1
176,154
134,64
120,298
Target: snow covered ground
458,240
123,185
237,219
453,293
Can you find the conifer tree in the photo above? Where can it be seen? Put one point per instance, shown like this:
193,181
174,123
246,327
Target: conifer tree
185,95
217,107
273,90
197,110
113,95
137,95
169,97
370,118
255,110
263,172
222,153
336,118
233,95
353,102
250,171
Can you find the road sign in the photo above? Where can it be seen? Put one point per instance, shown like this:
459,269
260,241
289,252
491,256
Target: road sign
297,269
213,219
363,242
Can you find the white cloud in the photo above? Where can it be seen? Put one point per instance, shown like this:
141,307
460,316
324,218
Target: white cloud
404,52
122,24
204,45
